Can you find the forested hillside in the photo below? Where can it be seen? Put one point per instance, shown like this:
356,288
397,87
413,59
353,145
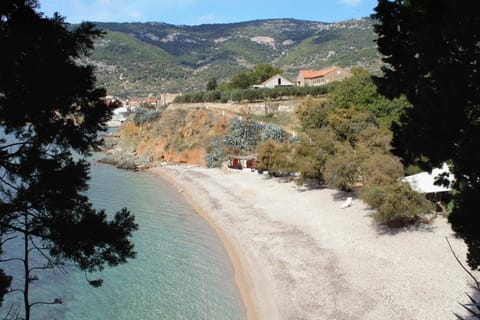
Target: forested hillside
143,58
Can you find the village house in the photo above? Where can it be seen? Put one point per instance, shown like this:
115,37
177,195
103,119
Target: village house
276,81
321,77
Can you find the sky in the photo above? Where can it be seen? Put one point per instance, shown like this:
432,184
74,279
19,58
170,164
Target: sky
195,12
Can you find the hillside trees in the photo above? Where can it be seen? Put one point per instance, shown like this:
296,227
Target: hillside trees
257,75
263,72
50,115
212,84
275,157
347,141
360,92
312,152
344,119
431,51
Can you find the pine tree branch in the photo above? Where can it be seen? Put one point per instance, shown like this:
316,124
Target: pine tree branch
11,259
3,241
56,301
13,145
461,265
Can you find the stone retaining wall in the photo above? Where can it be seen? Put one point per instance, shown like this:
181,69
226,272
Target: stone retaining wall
258,108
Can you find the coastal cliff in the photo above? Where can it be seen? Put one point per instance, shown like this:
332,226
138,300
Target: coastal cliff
180,136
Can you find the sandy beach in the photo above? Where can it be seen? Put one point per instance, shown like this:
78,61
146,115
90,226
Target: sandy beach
298,255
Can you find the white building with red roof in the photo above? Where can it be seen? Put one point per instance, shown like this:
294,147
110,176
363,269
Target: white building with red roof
276,81
321,77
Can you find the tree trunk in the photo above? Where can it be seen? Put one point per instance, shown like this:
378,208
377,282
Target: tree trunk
26,287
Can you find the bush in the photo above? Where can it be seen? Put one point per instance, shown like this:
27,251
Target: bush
275,158
381,169
243,134
143,115
312,152
313,113
397,204
341,170
349,123
212,96
216,154
243,137
236,95
226,93
252,95
271,131
224,96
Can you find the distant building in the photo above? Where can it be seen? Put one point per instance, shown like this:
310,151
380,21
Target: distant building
151,100
321,77
276,81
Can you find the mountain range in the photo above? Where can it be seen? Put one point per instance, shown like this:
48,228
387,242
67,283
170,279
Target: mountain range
137,59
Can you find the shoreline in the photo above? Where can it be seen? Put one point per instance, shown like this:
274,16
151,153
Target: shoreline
233,252
298,255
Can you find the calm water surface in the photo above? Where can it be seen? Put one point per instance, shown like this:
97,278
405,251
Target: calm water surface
181,271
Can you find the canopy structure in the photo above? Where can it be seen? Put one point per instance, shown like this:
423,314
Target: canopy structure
424,182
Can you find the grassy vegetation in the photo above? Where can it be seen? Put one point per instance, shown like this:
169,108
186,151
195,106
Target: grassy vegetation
281,119
345,144
142,58
130,63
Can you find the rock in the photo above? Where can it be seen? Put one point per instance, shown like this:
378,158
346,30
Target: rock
120,160
127,164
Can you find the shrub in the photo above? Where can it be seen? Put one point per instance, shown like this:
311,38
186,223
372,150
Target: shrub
341,167
312,152
275,158
243,134
341,170
349,123
198,96
397,204
143,115
213,96
381,169
224,96
216,154
224,93
313,113
243,137
236,95
252,95
271,131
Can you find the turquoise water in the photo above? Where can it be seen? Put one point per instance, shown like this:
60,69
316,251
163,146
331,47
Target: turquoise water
181,271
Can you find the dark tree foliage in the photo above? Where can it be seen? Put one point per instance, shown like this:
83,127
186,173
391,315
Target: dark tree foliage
432,49
257,75
50,115
212,84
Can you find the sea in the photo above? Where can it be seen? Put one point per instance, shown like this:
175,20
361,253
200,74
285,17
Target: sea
182,270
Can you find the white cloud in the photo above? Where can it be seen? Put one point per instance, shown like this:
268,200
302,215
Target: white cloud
210,18
351,2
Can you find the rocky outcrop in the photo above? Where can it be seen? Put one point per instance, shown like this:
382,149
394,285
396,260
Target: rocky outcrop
177,136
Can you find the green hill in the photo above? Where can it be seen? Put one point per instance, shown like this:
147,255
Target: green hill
143,58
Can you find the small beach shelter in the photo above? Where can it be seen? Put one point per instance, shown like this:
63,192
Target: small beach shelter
242,162
424,182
